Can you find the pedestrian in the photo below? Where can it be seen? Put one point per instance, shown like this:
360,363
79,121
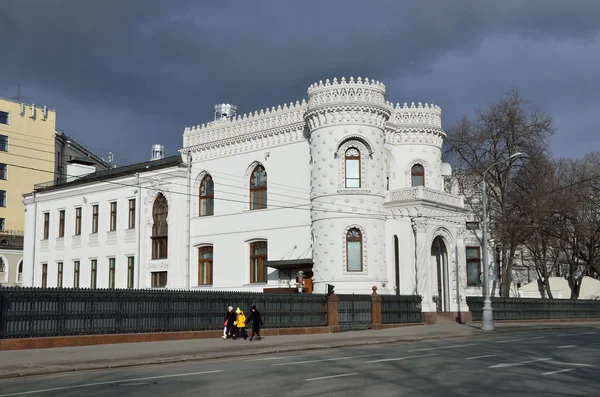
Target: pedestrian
256,321
228,324
241,324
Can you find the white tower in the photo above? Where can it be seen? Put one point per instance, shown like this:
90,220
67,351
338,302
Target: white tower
158,152
347,121
225,111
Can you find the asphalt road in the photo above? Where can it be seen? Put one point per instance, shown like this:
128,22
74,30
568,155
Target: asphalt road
548,363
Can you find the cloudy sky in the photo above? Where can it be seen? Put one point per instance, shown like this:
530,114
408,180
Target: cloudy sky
124,74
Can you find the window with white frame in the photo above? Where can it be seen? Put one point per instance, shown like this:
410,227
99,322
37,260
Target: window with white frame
354,254
352,168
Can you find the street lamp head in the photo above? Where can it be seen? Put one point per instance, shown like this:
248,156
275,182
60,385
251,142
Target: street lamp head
518,154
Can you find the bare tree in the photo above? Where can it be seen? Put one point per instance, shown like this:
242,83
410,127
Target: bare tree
509,126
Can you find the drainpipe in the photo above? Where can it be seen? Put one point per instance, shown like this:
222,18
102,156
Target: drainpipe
138,209
188,220
35,242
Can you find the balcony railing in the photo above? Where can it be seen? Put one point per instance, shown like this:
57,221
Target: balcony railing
11,239
421,193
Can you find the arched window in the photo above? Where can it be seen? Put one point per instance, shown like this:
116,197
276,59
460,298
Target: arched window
205,265
354,257
20,272
2,265
352,167
160,228
417,173
258,257
207,196
258,188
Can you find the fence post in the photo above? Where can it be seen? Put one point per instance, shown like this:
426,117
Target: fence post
375,309
3,319
332,313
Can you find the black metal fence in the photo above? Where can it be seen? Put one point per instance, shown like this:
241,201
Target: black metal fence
354,312
400,309
43,312
535,309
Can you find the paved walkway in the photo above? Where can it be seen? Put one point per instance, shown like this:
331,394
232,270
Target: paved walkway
47,361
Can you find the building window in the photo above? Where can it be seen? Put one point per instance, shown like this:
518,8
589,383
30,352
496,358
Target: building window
207,196
44,275
473,266
354,256
130,271
76,274
159,279
3,143
258,188
2,198
111,272
46,225
3,118
95,218
352,167
77,221
2,224
59,278
205,265
417,173
94,272
131,221
20,272
3,171
113,216
258,257
160,228
61,223
2,265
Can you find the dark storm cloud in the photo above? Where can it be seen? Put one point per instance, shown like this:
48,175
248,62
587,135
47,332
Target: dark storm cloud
126,74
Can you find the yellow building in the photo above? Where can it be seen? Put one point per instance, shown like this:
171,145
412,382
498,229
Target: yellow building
27,156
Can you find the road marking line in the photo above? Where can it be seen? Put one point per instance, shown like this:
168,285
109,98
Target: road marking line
517,340
332,376
271,358
324,359
444,347
565,347
476,357
505,365
558,372
399,358
108,383
571,364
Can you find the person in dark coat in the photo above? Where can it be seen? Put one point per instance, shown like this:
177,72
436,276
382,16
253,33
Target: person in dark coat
230,328
256,320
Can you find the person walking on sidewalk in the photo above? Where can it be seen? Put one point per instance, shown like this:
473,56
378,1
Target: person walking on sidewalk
241,324
229,329
256,321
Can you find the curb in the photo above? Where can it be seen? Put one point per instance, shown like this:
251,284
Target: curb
216,356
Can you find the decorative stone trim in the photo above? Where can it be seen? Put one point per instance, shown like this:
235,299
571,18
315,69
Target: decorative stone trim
158,265
447,236
423,193
130,235
59,244
93,240
351,91
363,233
365,160
419,225
76,241
430,115
111,237
44,245
426,169
414,135
347,114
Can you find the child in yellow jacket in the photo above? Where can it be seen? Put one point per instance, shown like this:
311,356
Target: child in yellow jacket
241,324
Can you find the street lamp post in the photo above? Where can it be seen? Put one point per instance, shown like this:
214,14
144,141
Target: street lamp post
487,321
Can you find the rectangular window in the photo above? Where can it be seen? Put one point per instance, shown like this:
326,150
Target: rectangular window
258,257
205,265
2,224
46,225
3,143
130,271
61,223
113,216
3,171
77,221
3,118
94,272
59,279
76,274
159,279
44,275
111,272
2,198
353,173
95,218
131,222
473,266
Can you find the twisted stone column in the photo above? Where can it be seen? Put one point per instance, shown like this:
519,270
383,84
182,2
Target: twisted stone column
422,262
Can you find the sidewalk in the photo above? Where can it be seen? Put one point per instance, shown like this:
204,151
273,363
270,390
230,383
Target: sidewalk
17,363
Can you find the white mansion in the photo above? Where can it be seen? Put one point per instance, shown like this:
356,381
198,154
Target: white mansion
345,187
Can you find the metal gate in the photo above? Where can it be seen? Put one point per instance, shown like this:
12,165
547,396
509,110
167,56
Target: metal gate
354,312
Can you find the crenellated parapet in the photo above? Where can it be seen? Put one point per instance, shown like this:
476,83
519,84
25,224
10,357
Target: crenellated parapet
344,101
271,121
417,115
415,124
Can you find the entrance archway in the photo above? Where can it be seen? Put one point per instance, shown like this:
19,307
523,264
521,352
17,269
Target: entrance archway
439,270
